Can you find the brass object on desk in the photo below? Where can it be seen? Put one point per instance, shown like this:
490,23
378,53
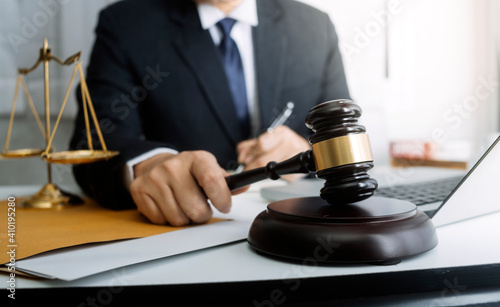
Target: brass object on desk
50,196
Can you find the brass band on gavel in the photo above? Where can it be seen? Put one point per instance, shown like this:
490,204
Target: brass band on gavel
343,150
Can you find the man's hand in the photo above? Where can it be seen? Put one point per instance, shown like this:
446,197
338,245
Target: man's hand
279,145
173,189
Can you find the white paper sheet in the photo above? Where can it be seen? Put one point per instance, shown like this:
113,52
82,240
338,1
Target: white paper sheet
77,262
84,261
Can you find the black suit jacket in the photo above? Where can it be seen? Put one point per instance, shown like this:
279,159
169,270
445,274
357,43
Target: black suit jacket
157,80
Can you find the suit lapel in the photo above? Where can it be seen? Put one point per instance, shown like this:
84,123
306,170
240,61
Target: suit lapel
196,47
270,43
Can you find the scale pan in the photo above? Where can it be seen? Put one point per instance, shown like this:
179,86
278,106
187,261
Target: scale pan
79,156
21,153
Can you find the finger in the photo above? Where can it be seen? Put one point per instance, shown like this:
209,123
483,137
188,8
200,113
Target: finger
155,200
245,144
258,162
281,144
269,140
191,199
146,205
168,205
240,190
293,177
244,149
212,180
265,143
151,211
264,158
237,191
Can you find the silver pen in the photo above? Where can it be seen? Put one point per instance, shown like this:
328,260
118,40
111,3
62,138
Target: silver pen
282,117
279,121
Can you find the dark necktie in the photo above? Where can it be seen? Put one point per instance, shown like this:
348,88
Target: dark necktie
235,74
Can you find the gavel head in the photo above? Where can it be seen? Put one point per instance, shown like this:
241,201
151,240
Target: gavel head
341,151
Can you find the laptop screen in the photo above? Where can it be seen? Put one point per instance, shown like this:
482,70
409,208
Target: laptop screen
477,194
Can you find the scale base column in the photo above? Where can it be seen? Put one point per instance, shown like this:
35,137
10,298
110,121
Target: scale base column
49,197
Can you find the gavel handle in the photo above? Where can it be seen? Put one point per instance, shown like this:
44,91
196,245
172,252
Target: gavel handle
302,163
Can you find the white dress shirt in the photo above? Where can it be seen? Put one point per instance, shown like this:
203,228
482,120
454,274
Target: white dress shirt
246,16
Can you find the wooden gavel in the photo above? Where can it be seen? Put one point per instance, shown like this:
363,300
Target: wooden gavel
341,154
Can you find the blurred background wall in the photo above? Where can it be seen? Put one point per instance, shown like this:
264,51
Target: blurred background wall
422,69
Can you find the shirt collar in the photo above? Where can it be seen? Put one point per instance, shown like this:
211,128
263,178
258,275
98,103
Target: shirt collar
246,12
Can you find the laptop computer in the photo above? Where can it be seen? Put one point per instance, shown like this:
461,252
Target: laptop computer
446,195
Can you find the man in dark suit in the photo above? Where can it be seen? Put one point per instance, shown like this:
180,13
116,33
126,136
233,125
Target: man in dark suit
166,98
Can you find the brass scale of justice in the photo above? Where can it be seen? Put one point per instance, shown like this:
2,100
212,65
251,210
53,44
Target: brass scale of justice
345,224
50,195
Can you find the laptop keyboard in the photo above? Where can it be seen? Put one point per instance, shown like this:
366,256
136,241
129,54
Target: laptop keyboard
421,193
